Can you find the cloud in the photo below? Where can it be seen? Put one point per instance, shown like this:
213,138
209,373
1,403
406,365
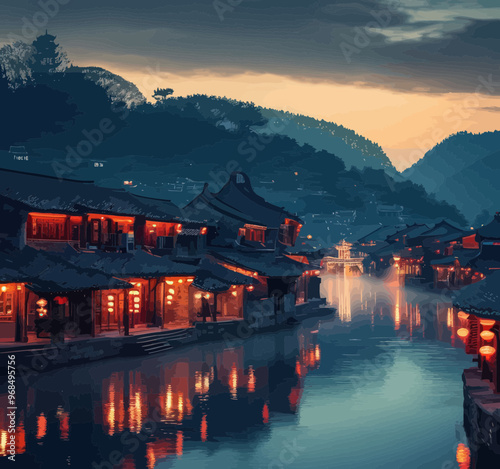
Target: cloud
429,46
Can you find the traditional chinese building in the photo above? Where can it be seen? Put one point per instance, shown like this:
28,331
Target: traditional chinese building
480,315
244,219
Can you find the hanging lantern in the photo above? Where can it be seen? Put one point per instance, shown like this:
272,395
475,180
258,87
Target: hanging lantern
170,297
111,297
487,336
180,280
42,302
169,282
4,288
203,230
61,300
487,351
250,288
463,315
171,291
463,333
487,323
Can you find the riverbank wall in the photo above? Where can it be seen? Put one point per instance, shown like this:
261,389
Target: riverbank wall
34,358
481,412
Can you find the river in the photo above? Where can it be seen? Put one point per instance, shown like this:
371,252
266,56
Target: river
378,386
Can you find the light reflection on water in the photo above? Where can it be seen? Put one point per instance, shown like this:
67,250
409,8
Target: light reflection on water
379,386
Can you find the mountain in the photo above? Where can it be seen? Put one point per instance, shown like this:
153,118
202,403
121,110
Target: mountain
355,150
87,123
117,88
463,169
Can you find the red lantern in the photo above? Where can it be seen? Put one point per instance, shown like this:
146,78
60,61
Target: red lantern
61,300
487,336
487,351
487,323
203,230
463,333
178,228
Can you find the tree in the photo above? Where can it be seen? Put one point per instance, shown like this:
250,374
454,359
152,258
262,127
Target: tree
160,94
482,218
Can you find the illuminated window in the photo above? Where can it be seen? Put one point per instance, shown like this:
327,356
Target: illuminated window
6,302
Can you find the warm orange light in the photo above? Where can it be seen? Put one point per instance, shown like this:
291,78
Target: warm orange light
4,288
487,351
207,296
463,333
178,228
250,288
463,456
463,315
190,280
171,291
487,335
197,296
170,297
265,414
203,230
317,272
234,293
111,297
42,302
487,323
204,428
180,280
309,236
169,282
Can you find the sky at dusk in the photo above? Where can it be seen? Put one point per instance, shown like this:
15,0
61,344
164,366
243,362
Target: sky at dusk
404,74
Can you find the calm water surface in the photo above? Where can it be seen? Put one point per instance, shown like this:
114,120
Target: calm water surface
379,386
